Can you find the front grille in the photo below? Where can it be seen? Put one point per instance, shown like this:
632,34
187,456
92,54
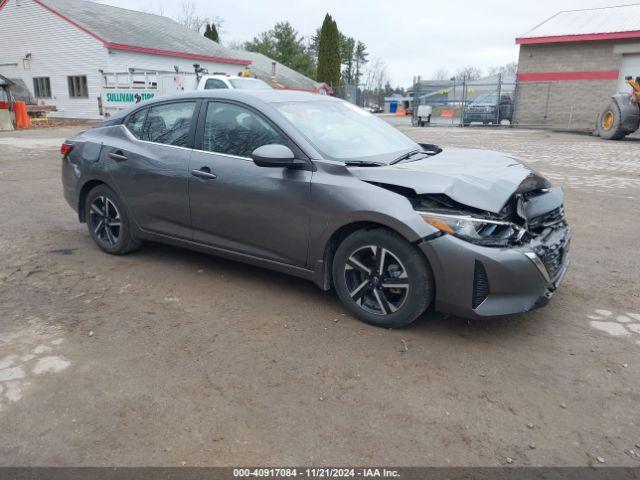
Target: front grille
539,223
480,285
553,262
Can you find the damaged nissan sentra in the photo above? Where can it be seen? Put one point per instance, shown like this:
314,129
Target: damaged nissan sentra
318,188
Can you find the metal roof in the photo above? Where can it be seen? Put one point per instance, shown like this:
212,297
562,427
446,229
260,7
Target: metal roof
262,67
590,24
124,29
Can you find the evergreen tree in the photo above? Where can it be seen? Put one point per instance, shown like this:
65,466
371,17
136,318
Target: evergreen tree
211,32
360,58
347,56
283,44
329,52
214,33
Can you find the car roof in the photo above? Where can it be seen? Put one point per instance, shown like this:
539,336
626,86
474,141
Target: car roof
251,97
248,96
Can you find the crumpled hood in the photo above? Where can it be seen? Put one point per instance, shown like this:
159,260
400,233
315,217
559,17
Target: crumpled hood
478,178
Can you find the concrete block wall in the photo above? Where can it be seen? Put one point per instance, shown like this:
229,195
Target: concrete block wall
562,105
567,104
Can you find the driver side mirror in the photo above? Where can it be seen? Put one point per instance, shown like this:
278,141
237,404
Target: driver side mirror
273,155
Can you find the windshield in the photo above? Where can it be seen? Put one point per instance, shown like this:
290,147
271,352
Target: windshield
342,131
248,83
486,100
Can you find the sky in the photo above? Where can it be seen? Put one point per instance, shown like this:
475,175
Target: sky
411,37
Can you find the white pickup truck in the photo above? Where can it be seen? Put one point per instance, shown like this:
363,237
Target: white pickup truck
211,82
124,89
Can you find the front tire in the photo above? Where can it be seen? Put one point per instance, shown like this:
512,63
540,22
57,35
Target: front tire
108,222
382,279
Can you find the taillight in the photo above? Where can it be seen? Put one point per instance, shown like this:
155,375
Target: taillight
65,149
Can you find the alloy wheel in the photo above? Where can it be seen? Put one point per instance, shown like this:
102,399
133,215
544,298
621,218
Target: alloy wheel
105,220
376,280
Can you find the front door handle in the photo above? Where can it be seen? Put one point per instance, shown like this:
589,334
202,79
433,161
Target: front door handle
204,172
118,156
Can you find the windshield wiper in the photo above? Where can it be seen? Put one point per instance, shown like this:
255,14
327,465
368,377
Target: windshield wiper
428,149
407,156
362,163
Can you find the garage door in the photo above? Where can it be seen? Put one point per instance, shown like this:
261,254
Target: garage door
630,66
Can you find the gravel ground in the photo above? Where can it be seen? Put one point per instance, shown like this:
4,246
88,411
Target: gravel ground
169,357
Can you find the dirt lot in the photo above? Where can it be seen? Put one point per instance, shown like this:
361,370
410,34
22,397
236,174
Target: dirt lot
168,357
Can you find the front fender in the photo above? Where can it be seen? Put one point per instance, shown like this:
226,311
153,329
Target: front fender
340,200
320,248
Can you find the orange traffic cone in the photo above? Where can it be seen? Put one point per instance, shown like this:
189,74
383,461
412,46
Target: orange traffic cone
22,117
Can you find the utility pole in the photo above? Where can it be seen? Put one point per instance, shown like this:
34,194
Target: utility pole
416,99
498,100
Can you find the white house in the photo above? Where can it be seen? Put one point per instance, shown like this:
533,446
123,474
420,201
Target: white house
60,49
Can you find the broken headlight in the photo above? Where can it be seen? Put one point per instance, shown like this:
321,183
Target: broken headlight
483,231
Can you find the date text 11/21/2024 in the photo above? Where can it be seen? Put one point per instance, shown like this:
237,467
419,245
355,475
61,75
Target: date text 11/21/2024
319,472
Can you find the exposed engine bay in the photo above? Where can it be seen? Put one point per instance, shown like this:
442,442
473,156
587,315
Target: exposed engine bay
526,216
484,197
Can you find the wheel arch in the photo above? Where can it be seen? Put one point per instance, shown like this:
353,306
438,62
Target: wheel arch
336,238
84,192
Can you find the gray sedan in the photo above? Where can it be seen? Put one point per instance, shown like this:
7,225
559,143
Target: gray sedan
315,187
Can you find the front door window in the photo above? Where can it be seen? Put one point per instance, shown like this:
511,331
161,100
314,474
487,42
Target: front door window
235,130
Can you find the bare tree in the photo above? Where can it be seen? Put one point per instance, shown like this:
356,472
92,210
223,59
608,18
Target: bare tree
235,45
218,22
375,78
190,18
468,73
441,74
506,69
375,75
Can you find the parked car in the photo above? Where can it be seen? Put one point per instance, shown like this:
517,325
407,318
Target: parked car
222,81
489,109
316,187
373,109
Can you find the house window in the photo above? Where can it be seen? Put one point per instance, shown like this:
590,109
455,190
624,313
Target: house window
78,86
42,87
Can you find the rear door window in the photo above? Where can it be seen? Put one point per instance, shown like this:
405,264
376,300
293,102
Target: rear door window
135,122
169,124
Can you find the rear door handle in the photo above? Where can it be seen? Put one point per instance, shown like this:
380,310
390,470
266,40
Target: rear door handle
118,156
204,172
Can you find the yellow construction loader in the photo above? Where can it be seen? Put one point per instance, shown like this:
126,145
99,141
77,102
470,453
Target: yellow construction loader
621,116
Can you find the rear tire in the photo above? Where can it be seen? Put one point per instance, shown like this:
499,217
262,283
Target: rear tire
609,124
108,222
382,279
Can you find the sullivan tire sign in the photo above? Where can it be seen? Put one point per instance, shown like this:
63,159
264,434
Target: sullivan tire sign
126,97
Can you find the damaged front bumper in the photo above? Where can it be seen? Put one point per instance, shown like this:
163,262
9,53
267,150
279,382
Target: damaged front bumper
474,281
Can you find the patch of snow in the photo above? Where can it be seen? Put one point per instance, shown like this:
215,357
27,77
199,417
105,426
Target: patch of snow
612,328
14,373
50,365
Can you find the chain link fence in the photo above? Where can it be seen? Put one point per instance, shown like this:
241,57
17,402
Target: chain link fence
463,102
